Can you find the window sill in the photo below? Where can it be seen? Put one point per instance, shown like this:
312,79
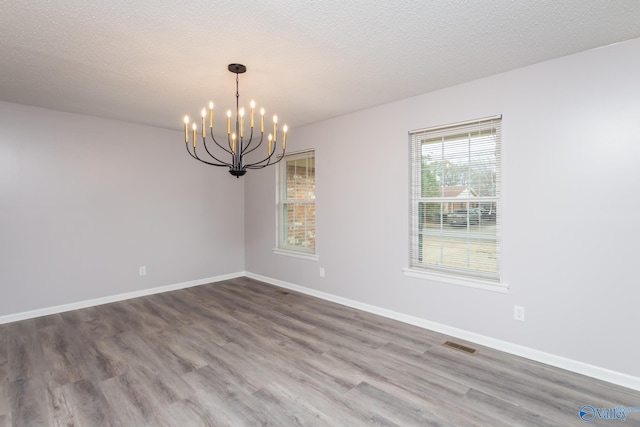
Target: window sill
469,282
294,254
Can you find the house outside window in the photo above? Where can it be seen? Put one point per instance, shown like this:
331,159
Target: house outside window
297,204
455,200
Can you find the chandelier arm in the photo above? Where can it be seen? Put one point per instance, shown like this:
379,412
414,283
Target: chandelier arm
230,150
259,165
195,156
256,147
216,142
245,148
211,155
204,143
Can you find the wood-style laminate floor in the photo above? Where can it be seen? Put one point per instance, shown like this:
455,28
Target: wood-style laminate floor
244,353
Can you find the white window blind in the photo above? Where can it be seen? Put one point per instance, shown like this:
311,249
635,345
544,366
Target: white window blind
296,203
455,199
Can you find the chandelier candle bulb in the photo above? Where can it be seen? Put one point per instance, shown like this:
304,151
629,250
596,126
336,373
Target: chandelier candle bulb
262,120
204,114
252,104
284,136
194,127
211,114
270,144
228,122
186,129
233,143
275,128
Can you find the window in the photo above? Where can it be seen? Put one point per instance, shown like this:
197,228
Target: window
297,203
455,200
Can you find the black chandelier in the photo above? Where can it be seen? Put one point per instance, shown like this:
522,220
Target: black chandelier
238,146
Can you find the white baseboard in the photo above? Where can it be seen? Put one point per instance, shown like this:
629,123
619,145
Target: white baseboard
114,298
515,349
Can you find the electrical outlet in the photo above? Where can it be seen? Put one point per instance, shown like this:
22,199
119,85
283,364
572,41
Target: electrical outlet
321,271
143,270
518,313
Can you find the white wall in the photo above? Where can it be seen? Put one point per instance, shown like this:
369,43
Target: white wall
571,227
85,201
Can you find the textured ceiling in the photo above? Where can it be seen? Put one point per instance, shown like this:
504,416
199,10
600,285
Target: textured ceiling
152,61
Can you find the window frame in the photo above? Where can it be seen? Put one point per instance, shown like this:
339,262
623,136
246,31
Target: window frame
282,248
417,268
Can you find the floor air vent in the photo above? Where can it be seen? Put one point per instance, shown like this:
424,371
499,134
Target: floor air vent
460,347
283,292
